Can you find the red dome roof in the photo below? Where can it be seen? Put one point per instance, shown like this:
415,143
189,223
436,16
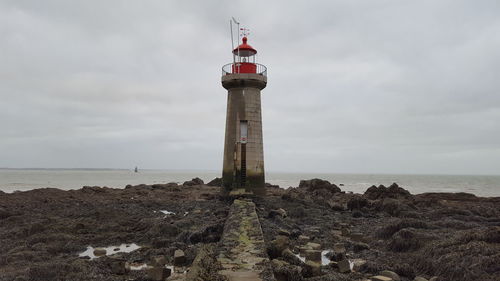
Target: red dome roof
245,50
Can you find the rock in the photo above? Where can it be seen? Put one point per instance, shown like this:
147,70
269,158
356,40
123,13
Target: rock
344,266
215,182
356,203
313,246
339,248
279,212
159,261
316,184
284,271
277,246
312,269
360,246
380,278
98,252
283,232
195,181
290,257
303,239
158,273
179,258
357,236
391,274
268,185
346,231
118,267
357,264
313,255
435,278
393,191
418,278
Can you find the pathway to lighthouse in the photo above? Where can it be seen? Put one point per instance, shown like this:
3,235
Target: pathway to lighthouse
243,255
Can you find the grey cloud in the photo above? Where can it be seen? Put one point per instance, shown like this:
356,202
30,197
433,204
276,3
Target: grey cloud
373,86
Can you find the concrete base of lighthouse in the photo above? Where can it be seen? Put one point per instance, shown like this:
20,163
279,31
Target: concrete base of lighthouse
243,165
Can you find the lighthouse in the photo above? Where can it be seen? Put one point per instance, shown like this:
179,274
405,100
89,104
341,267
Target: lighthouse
243,164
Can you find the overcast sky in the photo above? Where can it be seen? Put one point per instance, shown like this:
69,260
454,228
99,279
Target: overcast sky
354,86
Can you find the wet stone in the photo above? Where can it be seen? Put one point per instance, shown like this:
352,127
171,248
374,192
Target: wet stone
98,252
158,273
344,266
418,278
390,274
380,278
179,258
313,255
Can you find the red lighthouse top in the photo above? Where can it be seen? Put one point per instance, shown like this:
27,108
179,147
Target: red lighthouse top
244,50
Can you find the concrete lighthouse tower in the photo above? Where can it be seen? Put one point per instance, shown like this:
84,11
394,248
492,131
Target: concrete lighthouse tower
243,168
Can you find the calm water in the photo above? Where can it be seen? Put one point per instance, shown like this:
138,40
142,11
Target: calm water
11,180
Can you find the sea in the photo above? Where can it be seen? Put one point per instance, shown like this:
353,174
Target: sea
12,180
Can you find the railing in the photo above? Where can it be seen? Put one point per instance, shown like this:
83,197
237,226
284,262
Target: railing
232,68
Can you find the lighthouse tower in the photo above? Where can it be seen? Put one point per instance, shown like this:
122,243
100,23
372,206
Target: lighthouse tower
243,168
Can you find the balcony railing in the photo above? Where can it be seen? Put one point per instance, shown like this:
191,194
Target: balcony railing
232,68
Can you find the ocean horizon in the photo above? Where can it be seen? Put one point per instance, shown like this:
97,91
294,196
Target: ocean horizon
23,179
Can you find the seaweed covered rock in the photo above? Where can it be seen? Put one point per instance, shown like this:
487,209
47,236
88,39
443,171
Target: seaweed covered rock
393,191
318,184
195,181
215,182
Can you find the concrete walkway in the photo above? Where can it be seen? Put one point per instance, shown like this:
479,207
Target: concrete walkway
243,255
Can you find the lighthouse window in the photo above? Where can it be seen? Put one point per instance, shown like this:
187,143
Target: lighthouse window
243,131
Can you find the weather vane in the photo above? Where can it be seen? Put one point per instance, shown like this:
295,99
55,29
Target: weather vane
244,32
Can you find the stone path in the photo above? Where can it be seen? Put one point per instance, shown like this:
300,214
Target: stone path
243,255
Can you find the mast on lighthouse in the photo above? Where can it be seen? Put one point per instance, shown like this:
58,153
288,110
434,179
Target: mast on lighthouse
243,164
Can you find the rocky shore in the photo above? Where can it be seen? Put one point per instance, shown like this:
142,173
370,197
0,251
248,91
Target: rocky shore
312,232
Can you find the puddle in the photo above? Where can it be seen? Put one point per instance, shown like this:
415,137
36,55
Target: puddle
165,212
324,259
138,266
111,250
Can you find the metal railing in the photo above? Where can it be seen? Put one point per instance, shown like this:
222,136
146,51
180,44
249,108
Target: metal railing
228,69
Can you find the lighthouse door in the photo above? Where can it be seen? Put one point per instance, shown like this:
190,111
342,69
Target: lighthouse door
243,141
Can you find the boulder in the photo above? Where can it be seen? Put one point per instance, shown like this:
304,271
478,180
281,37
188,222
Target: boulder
418,278
159,261
277,213
179,258
357,264
215,182
283,232
317,184
268,185
290,257
393,191
313,255
380,278
303,239
158,273
284,271
435,278
357,236
118,267
312,269
391,274
344,266
313,246
98,252
195,181
277,246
